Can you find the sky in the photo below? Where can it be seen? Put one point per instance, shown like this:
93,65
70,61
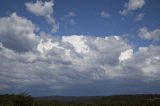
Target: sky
79,47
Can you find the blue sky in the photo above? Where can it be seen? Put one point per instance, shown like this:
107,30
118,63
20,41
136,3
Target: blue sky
88,20
79,47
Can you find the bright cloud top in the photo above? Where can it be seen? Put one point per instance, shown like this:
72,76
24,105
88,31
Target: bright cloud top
126,55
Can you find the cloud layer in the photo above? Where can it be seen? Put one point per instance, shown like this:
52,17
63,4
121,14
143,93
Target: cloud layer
75,64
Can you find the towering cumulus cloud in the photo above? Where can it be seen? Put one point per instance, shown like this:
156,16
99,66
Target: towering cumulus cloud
43,9
75,62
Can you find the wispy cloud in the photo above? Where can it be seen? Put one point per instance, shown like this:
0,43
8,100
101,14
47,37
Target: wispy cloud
69,18
104,14
140,17
69,15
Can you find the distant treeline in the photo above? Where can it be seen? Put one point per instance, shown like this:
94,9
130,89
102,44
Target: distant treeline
119,100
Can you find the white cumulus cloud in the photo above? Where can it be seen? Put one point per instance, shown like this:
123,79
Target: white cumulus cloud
132,5
149,35
17,33
78,42
44,9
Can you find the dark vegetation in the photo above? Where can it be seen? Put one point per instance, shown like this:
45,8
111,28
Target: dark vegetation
119,100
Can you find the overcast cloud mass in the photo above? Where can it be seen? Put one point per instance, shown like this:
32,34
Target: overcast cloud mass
42,63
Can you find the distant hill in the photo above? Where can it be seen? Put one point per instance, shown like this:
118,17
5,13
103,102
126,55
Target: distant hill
69,98
117,100
114,97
